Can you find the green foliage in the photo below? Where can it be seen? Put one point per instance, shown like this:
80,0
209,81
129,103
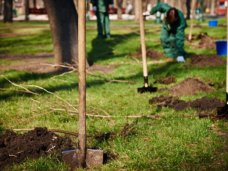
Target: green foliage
175,140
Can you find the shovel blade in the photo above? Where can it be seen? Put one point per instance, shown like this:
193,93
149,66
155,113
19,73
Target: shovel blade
147,89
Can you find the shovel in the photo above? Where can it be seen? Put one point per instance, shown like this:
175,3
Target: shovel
223,111
146,87
82,157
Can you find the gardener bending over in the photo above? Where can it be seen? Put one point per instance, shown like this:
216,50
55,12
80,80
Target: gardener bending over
172,33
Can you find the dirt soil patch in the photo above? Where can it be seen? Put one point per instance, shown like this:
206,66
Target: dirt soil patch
166,80
203,104
204,40
206,61
102,68
151,54
190,86
15,148
40,63
169,101
223,112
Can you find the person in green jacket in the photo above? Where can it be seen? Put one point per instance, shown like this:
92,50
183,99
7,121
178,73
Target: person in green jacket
172,32
101,8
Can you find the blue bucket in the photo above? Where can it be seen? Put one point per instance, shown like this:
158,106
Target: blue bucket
221,47
212,23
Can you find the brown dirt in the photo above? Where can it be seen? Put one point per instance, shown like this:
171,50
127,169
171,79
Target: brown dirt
205,41
151,54
223,112
169,101
202,104
15,148
102,68
40,63
206,61
166,80
189,86
33,63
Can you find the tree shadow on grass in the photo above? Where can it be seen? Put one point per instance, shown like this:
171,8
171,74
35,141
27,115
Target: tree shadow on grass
21,76
170,68
102,49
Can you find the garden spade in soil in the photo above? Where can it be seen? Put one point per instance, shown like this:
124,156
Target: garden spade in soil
82,157
146,87
223,112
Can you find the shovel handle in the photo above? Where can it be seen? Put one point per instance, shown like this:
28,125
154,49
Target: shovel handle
142,39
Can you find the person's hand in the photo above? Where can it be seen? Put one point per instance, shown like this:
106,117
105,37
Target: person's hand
94,8
146,13
180,59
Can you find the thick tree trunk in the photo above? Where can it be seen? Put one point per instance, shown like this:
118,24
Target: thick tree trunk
63,20
8,11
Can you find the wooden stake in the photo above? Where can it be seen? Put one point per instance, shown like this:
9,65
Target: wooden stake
142,38
82,81
191,22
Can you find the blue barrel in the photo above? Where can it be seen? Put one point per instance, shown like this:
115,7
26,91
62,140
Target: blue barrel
221,47
212,23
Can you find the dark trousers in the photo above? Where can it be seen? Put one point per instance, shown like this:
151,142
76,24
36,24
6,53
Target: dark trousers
103,24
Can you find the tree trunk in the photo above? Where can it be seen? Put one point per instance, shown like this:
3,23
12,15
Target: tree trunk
193,16
180,5
212,11
136,7
119,9
63,20
26,3
8,11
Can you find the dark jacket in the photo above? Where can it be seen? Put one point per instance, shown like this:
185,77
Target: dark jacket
102,5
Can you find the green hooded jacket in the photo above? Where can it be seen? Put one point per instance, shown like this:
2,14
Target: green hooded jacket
172,34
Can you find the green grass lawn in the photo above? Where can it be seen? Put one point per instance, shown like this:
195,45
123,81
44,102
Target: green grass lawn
174,140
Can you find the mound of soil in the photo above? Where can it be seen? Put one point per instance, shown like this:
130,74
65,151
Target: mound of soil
152,54
205,41
166,80
189,86
206,61
202,104
14,148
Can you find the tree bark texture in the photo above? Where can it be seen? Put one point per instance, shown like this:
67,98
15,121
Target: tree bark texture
63,20
119,9
8,11
26,3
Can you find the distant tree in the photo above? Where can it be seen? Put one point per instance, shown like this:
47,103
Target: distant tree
8,11
212,11
119,8
63,20
26,3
